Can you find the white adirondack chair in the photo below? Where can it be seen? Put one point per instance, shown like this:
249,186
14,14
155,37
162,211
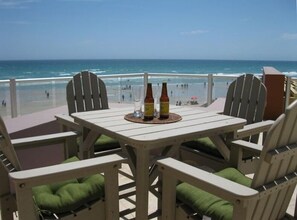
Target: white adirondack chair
16,185
271,187
246,98
87,92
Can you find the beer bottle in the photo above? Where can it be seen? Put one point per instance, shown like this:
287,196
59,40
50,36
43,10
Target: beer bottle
149,104
164,102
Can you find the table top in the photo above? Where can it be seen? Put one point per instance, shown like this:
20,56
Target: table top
195,123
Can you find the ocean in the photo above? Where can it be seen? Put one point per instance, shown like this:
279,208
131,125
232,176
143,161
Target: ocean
38,96
61,68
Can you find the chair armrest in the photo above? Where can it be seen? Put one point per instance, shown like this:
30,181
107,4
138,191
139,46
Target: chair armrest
254,128
67,122
25,180
246,145
209,182
61,172
36,141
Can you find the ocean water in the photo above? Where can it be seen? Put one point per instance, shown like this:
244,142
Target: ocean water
32,97
60,68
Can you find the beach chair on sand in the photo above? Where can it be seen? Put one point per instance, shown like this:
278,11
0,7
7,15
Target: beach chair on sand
87,92
229,194
246,98
72,190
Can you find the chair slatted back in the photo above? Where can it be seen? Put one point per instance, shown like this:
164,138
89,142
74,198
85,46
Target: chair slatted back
8,156
8,163
86,92
246,98
276,176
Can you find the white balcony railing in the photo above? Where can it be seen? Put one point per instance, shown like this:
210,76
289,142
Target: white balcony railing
23,96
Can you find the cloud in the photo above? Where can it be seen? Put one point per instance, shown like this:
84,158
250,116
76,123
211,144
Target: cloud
15,3
289,36
194,32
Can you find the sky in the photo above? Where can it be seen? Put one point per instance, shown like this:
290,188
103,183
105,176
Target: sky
148,29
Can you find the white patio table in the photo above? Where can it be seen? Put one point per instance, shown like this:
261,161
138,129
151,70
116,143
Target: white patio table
139,140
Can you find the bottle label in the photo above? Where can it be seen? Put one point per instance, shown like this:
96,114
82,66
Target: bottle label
149,109
164,108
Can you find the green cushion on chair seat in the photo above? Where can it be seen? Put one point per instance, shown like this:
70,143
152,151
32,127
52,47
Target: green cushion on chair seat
105,143
204,145
207,204
68,195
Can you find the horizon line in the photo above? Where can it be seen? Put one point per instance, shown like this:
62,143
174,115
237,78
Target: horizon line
156,59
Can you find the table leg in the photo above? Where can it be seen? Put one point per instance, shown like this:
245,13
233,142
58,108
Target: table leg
221,146
139,161
169,151
142,183
129,152
87,141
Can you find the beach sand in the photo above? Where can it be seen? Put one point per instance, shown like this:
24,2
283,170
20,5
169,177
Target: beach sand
38,97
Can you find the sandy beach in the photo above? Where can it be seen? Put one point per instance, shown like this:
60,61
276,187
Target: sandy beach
38,97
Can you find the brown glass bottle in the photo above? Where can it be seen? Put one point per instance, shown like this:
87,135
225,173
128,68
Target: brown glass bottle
164,102
149,104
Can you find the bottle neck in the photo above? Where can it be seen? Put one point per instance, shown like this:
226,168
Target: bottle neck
149,92
164,90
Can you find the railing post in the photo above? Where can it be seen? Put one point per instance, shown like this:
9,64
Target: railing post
145,81
13,98
288,87
209,89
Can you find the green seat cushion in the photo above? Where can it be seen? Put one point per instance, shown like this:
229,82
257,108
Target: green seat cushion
68,195
105,143
204,145
207,204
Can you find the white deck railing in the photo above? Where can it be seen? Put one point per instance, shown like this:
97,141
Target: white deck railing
23,96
